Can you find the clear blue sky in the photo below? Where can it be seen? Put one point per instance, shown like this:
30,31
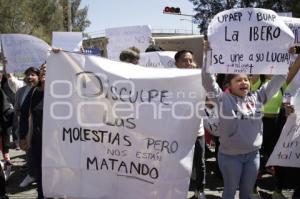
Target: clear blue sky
118,13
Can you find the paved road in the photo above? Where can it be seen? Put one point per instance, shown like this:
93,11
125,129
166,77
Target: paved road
213,189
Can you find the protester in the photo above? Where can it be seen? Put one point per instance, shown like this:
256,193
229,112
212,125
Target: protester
10,84
31,79
130,55
2,183
288,177
153,48
273,122
185,59
211,124
7,96
6,120
33,104
240,129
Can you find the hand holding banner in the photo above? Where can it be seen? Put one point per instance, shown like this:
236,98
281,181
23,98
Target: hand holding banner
112,128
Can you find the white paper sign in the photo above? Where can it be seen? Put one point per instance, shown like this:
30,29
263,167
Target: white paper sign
22,51
294,86
144,149
287,150
158,59
249,40
69,41
124,37
294,25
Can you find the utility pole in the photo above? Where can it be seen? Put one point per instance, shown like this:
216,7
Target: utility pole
70,27
177,11
191,20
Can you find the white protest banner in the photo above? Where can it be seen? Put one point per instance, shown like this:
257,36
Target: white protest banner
249,40
69,41
287,150
158,59
22,51
294,25
124,37
193,43
116,130
296,101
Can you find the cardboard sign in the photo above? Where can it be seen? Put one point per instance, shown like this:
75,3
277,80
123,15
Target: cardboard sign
249,40
287,150
69,41
22,51
112,128
124,37
158,59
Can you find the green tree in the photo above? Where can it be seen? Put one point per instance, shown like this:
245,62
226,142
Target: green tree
79,16
11,16
207,9
39,17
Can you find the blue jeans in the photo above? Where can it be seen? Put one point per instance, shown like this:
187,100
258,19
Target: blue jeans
238,171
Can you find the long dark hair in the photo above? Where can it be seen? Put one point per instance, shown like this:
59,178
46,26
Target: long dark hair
221,80
229,77
180,53
40,68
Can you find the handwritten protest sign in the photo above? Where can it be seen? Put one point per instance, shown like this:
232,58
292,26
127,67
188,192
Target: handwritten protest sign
287,150
249,40
176,43
124,37
294,25
158,59
113,128
22,51
69,41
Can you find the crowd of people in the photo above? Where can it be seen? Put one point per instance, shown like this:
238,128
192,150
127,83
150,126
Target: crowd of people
243,147
26,130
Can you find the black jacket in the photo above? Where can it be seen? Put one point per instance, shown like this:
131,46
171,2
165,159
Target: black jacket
6,111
